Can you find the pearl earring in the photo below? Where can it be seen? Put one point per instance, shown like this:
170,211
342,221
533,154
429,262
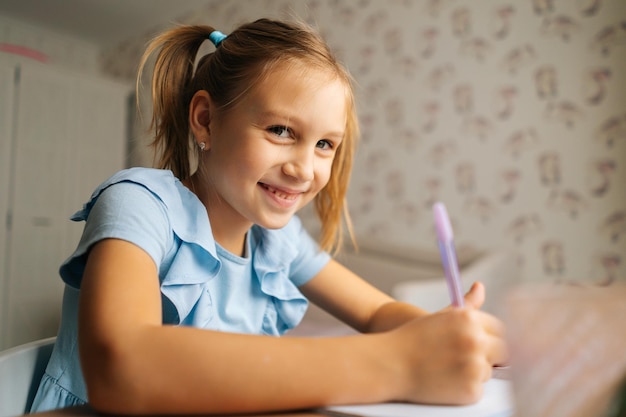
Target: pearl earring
202,145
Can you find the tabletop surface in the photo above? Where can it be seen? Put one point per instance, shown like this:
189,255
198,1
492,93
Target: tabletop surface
83,411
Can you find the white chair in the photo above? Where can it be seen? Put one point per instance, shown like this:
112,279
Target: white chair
21,368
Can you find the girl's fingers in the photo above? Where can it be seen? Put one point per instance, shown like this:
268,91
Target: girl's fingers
497,351
493,326
488,372
475,297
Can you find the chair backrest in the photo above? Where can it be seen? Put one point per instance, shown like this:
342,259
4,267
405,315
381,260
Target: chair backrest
21,368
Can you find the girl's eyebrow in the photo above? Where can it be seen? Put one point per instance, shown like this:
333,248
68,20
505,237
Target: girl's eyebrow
338,136
272,114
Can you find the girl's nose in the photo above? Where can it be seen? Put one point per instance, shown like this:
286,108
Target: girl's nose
300,164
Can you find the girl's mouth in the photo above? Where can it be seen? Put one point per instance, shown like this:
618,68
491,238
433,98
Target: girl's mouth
284,195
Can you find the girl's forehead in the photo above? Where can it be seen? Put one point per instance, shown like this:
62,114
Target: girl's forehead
291,80
304,94
300,71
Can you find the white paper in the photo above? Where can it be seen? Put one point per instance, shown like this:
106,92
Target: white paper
497,401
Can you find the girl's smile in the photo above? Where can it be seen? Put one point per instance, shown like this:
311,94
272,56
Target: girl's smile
285,198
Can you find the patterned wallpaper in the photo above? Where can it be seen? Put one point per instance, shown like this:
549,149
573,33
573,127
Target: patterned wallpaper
512,112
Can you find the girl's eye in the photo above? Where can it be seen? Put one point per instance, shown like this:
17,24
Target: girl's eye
325,144
280,131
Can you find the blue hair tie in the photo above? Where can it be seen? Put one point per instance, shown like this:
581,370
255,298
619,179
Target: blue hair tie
217,37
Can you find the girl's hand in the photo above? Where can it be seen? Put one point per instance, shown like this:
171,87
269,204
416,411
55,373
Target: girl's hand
446,357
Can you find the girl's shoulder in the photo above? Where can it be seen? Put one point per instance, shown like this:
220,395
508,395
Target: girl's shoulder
178,204
185,213
159,181
154,196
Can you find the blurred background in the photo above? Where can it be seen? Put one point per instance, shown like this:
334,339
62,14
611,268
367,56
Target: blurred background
512,112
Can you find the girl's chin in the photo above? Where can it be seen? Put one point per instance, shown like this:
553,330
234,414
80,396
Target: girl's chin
276,221
274,225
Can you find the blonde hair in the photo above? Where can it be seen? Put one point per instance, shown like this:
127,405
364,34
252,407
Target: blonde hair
243,59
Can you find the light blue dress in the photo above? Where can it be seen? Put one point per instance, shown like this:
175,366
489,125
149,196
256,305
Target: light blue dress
202,284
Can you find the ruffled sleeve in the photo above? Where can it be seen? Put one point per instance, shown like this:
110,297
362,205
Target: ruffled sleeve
285,259
121,209
153,210
184,285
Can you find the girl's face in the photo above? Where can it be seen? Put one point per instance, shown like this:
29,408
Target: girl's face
273,152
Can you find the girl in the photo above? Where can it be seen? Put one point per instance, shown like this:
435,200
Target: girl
184,274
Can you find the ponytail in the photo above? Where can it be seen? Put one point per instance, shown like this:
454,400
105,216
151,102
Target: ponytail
171,94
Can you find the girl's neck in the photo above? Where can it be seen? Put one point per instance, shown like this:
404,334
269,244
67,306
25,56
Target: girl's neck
236,246
228,232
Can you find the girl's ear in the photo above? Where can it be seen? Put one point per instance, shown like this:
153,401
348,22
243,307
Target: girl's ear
200,118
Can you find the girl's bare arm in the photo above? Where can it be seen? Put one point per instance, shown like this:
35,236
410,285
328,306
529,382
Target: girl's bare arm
354,301
364,307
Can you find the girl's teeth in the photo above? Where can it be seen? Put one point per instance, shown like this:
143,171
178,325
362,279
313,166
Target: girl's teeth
278,193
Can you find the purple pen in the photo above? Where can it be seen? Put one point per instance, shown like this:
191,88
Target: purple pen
448,254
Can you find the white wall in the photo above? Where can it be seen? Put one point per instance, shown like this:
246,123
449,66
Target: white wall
38,44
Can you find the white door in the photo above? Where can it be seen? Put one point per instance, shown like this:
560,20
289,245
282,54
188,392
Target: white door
7,75
60,155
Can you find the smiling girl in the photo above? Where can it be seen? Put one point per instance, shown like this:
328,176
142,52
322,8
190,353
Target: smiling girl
185,274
